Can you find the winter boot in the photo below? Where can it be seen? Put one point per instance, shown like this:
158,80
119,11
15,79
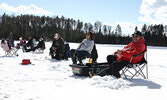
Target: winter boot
90,74
74,60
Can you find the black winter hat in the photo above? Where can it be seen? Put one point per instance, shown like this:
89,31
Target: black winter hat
137,33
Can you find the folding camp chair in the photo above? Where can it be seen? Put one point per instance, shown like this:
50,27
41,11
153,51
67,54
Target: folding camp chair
132,70
12,52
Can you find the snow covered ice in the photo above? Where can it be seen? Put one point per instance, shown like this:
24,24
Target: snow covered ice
48,79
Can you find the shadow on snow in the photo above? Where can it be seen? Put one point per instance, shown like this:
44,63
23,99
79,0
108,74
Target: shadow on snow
142,82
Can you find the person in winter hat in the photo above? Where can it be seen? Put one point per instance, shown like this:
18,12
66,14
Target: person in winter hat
20,43
121,58
21,40
57,49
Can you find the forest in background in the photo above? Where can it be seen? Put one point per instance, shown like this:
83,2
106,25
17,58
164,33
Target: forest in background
73,30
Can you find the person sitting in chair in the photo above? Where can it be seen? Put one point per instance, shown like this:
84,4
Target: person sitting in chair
8,51
84,49
57,49
122,58
24,45
41,44
4,45
20,43
29,43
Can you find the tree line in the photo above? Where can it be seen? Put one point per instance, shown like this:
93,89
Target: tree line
154,35
72,30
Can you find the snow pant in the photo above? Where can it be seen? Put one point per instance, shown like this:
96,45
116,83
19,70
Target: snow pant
33,49
56,54
114,68
78,55
67,54
24,47
19,45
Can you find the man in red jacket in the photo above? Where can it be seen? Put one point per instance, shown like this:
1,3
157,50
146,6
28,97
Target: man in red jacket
123,57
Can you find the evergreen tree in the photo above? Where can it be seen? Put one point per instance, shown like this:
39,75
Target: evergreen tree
109,29
73,30
136,29
118,30
144,28
86,28
105,29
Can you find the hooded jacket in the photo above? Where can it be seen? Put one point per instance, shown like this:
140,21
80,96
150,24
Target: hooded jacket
5,46
59,44
86,45
133,48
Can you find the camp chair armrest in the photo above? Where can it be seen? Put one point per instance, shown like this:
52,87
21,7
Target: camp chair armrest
139,54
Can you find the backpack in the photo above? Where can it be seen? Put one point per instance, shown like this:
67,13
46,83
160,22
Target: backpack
94,53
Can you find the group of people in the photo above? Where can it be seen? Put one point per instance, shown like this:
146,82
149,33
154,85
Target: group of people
31,45
60,50
117,61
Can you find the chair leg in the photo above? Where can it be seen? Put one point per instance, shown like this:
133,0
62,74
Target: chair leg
124,70
139,71
147,71
12,52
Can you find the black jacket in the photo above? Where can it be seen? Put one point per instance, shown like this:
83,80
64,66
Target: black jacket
59,44
41,44
30,42
94,53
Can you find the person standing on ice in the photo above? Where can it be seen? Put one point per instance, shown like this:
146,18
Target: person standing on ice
84,49
57,48
10,40
121,58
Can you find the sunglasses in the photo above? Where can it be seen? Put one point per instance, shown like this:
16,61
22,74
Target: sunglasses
135,36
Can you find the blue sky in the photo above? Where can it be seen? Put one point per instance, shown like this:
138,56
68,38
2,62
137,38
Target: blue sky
127,13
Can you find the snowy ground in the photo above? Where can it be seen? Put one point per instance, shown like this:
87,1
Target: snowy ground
49,79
